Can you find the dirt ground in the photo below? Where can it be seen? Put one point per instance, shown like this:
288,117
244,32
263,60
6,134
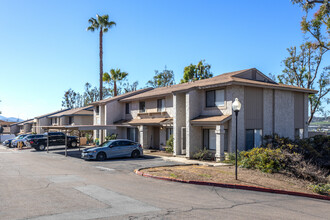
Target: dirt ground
157,153
226,174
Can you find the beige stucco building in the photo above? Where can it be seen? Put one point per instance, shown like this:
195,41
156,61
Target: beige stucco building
75,116
199,114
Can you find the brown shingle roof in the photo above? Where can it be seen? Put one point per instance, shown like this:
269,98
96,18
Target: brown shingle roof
220,80
271,85
214,120
6,122
52,113
75,111
163,91
118,97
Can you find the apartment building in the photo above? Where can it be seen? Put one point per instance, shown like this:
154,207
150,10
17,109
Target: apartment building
199,114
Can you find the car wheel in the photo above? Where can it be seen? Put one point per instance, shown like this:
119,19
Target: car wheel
73,144
41,147
135,154
101,156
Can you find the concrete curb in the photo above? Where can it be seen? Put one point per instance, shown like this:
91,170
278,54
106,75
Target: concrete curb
233,186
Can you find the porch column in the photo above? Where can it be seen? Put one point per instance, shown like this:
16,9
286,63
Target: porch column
220,143
101,115
144,136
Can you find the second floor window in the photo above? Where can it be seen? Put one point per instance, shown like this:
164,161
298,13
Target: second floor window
142,106
70,120
127,110
215,98
160,105
97,110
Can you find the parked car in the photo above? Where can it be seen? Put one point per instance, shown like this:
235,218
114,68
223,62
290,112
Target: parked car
19,138
112,149
55,139
7,143
30,139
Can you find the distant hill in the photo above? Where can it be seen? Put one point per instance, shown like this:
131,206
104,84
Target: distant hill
10,119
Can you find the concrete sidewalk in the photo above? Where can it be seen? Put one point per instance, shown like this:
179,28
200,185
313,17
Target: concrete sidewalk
184,160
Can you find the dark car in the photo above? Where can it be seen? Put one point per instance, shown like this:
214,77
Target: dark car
30,139
55,139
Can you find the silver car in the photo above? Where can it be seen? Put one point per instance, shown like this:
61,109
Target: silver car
112,149
19,138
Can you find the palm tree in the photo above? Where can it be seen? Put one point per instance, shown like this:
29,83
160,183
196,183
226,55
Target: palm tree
114,77
103,24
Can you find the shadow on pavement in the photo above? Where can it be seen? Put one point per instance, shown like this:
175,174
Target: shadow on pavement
77,154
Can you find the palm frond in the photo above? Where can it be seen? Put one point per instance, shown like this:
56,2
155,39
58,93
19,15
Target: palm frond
90,28
105,17
105,30
92,20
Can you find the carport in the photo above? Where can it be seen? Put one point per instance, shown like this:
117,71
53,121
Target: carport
78,128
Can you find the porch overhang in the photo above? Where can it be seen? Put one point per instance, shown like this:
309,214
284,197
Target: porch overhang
143,121
204,120
79,127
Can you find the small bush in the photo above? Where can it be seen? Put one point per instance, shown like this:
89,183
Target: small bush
266,160
111,137
232,156
169,144
203,155
323,189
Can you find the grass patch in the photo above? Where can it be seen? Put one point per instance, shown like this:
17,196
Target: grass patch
173,175
205,175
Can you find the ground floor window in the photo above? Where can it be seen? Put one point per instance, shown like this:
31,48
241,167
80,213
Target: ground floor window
209,139
169,132
253,138
133,134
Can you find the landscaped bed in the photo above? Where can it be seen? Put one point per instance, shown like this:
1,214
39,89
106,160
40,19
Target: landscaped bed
226,175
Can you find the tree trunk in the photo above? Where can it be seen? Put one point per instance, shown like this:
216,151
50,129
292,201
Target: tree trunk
101,64
114,88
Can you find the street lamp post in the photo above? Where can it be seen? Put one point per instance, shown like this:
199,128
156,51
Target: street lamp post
236,108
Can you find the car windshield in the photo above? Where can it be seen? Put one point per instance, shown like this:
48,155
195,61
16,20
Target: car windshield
106,144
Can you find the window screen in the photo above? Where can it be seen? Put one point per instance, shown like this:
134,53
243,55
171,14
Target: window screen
142,106
210,98
219,97
215,98
127,108
160,105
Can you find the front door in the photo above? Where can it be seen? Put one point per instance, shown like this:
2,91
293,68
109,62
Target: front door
156,138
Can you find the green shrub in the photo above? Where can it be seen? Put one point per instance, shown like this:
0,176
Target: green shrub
111,137
323,189
232,156
203,155
264,159
169,144
89,138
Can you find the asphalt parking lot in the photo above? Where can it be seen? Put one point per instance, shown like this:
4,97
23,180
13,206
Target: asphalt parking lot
41,185
121,164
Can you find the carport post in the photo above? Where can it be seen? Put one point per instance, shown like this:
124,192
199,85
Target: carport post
79,139
66,144
47,140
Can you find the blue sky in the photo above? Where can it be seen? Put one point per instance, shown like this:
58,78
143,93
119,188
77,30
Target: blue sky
45,48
